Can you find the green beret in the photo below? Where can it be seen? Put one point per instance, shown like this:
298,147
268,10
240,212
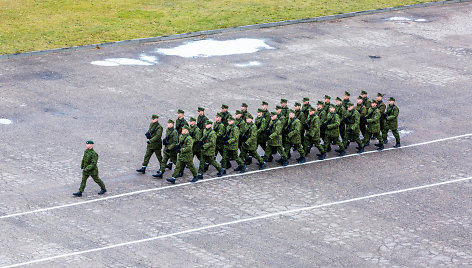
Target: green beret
231,118
338,99
243,104
89,142
193,119
278,107
359,98
273,113
375,101
297,104
209,122
327,97
265,103
219,114
349,104
239,112
347,93
180,111
260,110
363,92
306,99
380,95
201,109
170,121
291,111
249,116
320,103
283,101
155,116
332,106
392,99
187,128
224,106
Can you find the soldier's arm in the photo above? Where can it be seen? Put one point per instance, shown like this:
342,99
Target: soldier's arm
157,135
357,121
394,115
173,140
234,137
252,135
188,145
93,162
376,116
211,141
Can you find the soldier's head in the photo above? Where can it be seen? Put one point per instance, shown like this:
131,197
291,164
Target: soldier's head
379,97
283,103
373,104
259,112
180,113
192,121
224,108
209,124
346,95
231,120
391,101
311,111
350,106
332,108
170,124
243,107
218,117
327,99
249,119
306,100
319,105
278,109
201,111
238,114
297,106
291,114
338,101
273,116
89,145
359,100
363,94
155,118
185,130
264,105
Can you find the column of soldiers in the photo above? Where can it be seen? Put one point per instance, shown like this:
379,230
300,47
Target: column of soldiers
283,130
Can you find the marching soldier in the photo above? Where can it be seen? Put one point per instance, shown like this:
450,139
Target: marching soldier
306,106
294,128
170,153
208,147
327,103
300,115
196,134
312,135
283,104
185,158
332,131
201,119
224,114
261,124
360,107
265,112
241,124
352,120
391,122
341,112
249,143
180,122
220,130
231,140
372,120
244,111
154,143
321,113
346,99
90,168
274,132
366,104
381,106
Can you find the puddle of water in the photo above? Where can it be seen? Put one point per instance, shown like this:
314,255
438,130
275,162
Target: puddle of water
210,48
398,19
420,20
248,64
404,20
143,60
5,121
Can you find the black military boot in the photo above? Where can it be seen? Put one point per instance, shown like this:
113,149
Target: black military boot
338,150
142,170
378,144
367,144
243,169
221,172
262,165
301,160
102,191
78,194
397,145
171,180
239,168
200,176
289,156
169,165
329,149
195,179
158,174
360,150
228,165
342,153
381,147
280,161
322,156
270,159
385,141
285,163
181,173
205,168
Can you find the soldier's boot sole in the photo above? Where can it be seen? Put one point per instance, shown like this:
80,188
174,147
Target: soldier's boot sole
78,194
141,170
380,148
301,160
342,153
158,175
322,156
171,180
262,165
398,145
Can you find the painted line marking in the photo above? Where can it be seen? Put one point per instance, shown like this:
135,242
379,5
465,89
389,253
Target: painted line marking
227,176
240,221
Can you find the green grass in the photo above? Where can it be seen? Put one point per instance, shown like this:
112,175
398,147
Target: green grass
28,25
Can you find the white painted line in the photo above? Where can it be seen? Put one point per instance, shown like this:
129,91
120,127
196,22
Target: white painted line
240,221
217,178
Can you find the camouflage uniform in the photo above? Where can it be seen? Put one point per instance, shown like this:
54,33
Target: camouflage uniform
170,151
274,132
220,131
391,123
185,157
294,128
332,131
90,168
208,146
249,143
231,140
312,135
154,144
372,120
352,121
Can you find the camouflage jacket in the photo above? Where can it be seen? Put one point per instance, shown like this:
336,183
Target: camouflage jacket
155,132
186,148
294,128
332,125
208,142
89,162
392,117
275,130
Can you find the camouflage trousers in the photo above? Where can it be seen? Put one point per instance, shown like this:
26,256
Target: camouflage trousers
95,179
182,164
369,135
166,156
394,132
298,147
309,141
268,152
228,154
149,153
245,153
328,141
352,137
207,159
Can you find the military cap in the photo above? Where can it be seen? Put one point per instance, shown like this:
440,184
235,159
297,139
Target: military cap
363,92
283,101
243,104
359,97
349,104
347,93
239,112
380,95
219,114
231,118
170,121
201,109
278,107
260,110
89,142
224,106
249,116
209,122
332,105
187,128
265,103
180,111
273,113
375,101
297,104
320,102
306,99
327,97
291,111
193,119
392,99
155,116
338,99
311,109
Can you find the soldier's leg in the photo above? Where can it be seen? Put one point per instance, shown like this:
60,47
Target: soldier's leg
173,157
267,153
363,128
192,168
225,159
366,139
165,158
147,156
317,144
385,133
339,143
300,149
357,139
342,128
327,143
256,156
396,135
201,164
243,154
158,153
212,161
83,183
282,153
237,158
287,148
99,182
178,167
307,144
379,138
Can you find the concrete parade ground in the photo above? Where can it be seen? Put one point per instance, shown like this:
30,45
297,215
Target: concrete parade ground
406,207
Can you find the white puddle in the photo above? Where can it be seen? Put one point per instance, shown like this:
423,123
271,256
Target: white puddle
143,60
248,64
402,19
5,121
210,48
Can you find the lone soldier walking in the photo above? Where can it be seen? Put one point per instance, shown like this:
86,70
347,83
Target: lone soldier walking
185,158
249,143
154,143
391,122
294,128
208,147
170,152
352,120
90,168
373,126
